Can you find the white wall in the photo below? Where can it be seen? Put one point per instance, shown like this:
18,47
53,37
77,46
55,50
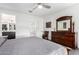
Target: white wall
26,25
72,11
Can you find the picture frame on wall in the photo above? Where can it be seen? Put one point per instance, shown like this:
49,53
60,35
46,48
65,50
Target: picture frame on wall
12,26
4,27
48,24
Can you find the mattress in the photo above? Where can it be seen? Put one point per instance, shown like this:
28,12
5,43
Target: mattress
31,46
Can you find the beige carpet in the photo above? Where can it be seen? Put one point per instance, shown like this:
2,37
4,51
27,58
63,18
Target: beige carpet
74,52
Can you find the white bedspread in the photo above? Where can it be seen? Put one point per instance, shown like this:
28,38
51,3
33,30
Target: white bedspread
31,46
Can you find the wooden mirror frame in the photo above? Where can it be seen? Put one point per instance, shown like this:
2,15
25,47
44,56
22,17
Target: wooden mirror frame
62,19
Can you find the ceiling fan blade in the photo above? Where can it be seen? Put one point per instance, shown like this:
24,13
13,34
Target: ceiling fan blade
33,9
30,11
39,3
46,6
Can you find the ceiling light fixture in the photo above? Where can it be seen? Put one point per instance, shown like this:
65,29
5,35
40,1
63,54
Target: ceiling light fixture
40,6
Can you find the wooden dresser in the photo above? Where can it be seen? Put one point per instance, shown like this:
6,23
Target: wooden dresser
64,38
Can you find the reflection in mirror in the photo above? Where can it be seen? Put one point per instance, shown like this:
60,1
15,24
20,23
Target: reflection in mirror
14,27
64,23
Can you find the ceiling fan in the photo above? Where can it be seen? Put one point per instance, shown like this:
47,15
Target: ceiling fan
40,5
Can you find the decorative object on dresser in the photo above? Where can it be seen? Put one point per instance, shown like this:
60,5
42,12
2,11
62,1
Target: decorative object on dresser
64,34
45,35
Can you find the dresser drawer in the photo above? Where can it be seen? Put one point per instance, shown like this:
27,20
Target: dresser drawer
64,38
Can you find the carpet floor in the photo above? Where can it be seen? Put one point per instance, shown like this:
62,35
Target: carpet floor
74,52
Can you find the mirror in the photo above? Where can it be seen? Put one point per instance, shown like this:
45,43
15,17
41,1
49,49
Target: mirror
64,23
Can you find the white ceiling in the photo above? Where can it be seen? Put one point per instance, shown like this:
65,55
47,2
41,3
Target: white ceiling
25,7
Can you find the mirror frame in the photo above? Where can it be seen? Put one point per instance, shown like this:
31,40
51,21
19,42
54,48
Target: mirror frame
62,19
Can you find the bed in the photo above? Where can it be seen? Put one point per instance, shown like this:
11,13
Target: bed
31,46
